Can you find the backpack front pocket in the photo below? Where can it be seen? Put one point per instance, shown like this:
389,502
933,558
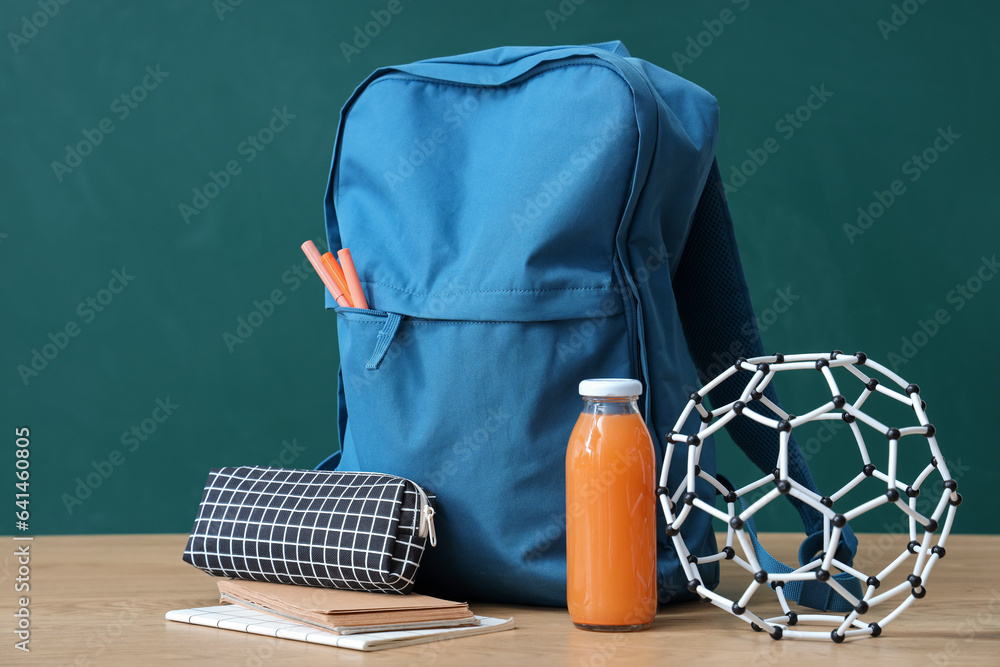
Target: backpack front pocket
469,410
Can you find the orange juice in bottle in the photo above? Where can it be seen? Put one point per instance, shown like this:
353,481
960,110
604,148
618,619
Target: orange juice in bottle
611,511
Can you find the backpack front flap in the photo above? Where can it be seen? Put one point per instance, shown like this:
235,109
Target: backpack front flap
484,199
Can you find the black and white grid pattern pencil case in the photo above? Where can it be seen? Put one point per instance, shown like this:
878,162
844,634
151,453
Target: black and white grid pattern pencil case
350,530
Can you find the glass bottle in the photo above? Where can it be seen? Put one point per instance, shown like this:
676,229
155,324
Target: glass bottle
611,511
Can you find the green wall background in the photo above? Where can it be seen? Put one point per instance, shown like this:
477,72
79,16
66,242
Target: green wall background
222,73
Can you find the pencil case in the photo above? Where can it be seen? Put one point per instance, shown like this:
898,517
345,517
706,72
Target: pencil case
349,530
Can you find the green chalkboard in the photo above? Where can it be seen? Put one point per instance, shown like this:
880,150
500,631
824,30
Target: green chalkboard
162,163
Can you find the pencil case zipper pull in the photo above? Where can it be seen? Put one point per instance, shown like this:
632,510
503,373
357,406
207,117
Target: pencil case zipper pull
426,528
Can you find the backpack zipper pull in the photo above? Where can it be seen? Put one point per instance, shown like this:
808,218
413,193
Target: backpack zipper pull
384,340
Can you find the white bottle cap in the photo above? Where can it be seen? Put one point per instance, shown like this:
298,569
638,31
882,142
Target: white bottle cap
610,387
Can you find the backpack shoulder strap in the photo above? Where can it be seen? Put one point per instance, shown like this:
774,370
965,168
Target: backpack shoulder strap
718,319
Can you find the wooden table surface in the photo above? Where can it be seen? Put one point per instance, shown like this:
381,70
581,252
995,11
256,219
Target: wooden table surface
100,600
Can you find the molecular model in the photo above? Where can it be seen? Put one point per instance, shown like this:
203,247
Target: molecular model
861,593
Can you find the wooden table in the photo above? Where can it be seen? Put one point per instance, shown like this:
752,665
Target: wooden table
100,600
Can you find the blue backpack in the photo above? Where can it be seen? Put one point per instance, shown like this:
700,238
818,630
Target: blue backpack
522,219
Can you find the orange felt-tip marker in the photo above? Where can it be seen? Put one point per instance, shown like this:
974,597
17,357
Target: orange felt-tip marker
312,252
338,273
353,282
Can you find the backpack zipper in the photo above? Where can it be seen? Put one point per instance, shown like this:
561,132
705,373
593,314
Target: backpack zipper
631,323
529,74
